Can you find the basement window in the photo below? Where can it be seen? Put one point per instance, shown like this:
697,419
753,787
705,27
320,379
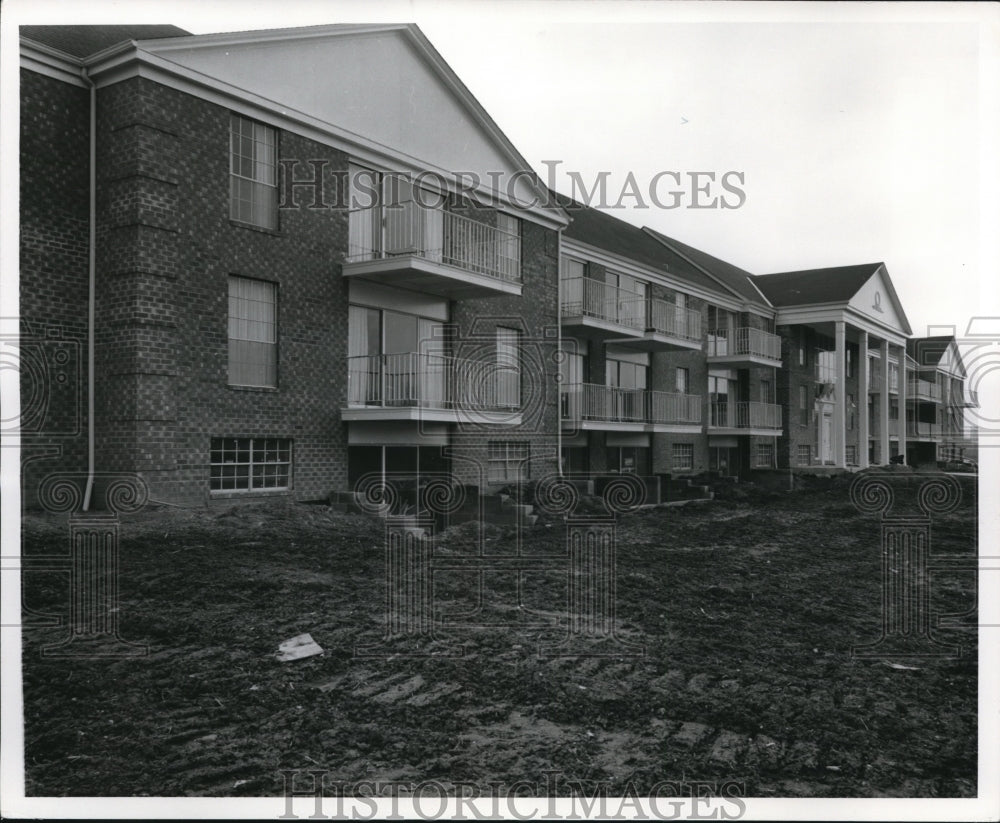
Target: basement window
250,463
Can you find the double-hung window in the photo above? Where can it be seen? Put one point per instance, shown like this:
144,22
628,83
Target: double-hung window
253,173
253,332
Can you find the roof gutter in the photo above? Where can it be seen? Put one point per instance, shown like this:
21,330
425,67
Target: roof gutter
91,287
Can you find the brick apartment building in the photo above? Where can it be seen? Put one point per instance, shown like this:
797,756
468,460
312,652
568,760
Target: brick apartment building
293,286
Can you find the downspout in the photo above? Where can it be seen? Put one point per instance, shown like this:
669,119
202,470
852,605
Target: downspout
91,287
559,350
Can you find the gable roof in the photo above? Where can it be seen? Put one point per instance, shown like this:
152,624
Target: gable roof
734,278
82,41
928,352
611,234
832,285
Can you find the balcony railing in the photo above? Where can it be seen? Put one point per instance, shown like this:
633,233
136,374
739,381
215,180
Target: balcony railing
583,297
431,381
612,404
436,235
875,376
669,320
669,407
919,428
744,342
744,415
924,390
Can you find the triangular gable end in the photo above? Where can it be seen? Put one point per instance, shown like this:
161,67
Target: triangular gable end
379,83
877,300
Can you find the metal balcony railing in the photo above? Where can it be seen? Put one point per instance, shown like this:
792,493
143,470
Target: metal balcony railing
920,428
669,407
583,297
744,415
431,381
410,228
744,341
923,390
672,321
612,404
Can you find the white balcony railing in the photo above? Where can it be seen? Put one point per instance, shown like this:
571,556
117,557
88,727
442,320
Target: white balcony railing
744,342
744,415
612,404
672,321
669,407
431,381
924,390
584,297
434,234
920,428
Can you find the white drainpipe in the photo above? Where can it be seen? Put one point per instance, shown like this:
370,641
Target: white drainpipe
91,288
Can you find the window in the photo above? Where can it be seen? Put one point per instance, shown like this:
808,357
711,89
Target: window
682,456
510,245
826,366
803,405
850,363
507,461
802,347
253,332
508,367
804,454
682,380
766,391
852,455
765,455
893,409
250,463
851,408
253,179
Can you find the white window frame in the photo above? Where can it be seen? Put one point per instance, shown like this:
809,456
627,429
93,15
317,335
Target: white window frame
682,456
253,176
252,322
508,461
271,455
764,448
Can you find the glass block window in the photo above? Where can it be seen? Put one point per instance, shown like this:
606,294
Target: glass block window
253,173
507,461
253,332
682,456
250,463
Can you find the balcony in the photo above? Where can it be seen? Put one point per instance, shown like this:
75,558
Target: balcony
921,430
744,417
875,377
919,389
432,251
588,406
626,318
744,347
431,388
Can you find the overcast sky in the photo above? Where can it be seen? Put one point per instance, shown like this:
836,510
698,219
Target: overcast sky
863,133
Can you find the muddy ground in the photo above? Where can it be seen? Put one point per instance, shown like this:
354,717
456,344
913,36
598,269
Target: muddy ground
747,609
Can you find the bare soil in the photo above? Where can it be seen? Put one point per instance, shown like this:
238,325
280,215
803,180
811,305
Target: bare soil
747,610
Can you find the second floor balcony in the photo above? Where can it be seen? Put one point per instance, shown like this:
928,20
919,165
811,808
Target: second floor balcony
433,251
626,318
744,347
612,408
744,417
431,388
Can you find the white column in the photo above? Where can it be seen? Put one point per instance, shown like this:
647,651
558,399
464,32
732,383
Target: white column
862,399
902,401
883,403
840,398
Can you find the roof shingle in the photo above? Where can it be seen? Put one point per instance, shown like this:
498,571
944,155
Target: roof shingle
832,285
82,41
